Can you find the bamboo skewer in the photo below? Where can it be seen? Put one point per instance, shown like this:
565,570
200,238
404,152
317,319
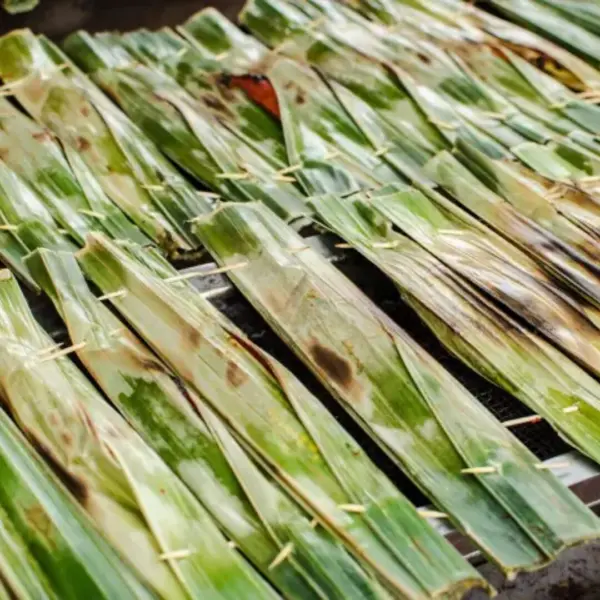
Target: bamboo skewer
176,554
285,553
63,352
432,514
479,470
523,421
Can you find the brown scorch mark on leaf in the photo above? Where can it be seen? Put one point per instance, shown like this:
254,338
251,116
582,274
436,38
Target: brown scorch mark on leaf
214,103
235,375
38,519
82,144
335,366
194,337
42,136
73,484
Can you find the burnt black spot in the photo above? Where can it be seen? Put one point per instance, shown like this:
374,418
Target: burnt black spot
336,367
300,97
214,103
423,58
73,484
152,365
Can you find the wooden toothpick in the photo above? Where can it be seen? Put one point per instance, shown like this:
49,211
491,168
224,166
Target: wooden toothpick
550,466
92,213
353,508
479,470
194,274
523,421
63,352
233,176
285,553
176,554
432,514
113,295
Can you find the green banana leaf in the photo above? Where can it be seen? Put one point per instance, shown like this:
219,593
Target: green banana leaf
524,194
61,179
203,79
129,169
21,208
218,39
285,429
554,59
131,495
550,24
497,268
187,131
586,14
250,509
427,422
12,255
487,339
49,547
562,261
15,7
536,93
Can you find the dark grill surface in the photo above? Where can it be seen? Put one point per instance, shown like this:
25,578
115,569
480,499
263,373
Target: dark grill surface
59,17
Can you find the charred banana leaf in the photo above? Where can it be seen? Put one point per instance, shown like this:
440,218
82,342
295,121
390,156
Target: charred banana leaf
470,466
251,509
128,167
131,495
284,428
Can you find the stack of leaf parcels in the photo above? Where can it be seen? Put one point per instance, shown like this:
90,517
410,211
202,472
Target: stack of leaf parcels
148,447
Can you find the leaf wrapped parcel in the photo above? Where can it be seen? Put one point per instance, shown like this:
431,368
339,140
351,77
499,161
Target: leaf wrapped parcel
131,495
284,428
429,424
250,507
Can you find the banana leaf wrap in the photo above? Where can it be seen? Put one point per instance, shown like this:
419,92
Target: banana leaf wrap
12,255
249,507
187,131
15,7
49,547
20,209
212,83
525,194
427,422
551,24
131,495
563,262
553,58
130,170
536,93
218,39
284,428
61,179
586,14
451,97
487,339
